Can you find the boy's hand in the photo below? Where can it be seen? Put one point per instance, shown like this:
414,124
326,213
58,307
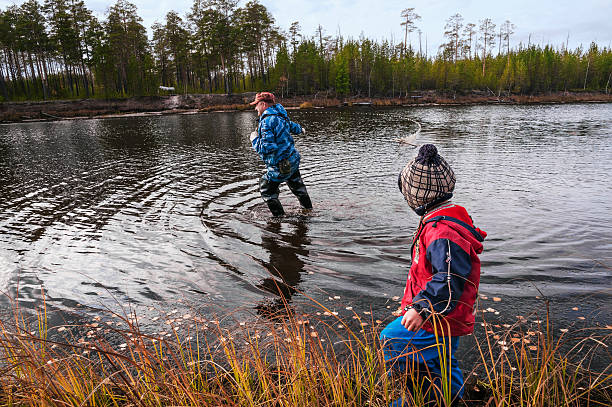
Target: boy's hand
412,320
398,311
303,130
253,135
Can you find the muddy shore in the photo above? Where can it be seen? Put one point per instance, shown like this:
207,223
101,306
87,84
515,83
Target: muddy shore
193,103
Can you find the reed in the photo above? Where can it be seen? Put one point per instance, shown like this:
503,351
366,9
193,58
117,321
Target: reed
527,365
287,359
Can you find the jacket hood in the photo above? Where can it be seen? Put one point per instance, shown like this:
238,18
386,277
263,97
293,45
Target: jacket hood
276,109
457,218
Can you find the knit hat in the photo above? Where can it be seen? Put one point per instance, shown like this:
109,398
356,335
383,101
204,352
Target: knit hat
265,97
427,180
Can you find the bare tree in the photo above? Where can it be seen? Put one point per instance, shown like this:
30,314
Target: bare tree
453,30
469,31
507,29
487,36
409,17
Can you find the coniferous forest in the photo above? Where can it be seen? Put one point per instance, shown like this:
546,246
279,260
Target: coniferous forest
59,50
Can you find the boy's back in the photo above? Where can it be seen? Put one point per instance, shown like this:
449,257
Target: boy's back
445,270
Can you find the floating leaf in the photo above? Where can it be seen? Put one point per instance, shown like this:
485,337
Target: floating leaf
533,348
496,299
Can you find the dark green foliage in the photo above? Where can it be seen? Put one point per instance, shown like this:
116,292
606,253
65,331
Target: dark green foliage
342,79
59,50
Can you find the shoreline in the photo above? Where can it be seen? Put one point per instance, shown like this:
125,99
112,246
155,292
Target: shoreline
38,111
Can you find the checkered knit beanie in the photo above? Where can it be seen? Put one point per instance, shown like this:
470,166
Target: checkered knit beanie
427,178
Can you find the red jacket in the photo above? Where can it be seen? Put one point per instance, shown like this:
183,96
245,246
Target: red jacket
445,271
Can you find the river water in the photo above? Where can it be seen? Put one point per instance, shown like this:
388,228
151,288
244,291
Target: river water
157,211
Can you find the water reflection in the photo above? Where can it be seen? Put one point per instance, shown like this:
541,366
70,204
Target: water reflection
285,264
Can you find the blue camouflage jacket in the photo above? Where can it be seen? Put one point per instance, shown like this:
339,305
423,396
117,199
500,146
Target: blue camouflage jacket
274,143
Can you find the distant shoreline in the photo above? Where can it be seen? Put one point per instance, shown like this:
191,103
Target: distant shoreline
34,111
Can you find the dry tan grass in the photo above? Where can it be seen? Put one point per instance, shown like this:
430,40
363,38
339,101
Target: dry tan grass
284,360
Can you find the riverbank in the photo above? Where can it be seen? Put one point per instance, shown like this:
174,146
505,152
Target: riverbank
193,103
295,359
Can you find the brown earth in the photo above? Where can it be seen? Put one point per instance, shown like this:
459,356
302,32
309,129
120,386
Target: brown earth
84,108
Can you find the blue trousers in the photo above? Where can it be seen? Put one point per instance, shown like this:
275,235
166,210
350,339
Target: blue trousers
404,350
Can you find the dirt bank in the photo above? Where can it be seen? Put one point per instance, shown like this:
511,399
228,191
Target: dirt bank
62,109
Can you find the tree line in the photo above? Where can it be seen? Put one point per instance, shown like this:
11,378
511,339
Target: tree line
59,49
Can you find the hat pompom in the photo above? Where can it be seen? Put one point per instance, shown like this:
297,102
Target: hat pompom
427,154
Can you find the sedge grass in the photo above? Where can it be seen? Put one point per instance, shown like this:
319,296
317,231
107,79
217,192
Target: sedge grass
287,360
527,366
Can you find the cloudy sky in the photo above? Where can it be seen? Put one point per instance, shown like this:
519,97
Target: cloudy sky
547,21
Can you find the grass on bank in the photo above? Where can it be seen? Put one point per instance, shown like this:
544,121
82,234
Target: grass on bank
315,359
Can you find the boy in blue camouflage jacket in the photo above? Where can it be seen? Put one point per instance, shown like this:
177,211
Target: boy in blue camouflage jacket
274,144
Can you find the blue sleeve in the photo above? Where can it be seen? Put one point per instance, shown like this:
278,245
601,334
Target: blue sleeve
265,142
451,267
294,128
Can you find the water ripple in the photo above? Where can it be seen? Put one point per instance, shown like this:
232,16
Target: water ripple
151,209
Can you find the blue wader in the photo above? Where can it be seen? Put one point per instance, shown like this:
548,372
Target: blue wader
405,350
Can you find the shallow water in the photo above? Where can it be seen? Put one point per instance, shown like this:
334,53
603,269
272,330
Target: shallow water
158,211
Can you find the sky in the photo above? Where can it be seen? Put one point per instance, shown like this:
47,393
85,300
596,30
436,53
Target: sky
546,21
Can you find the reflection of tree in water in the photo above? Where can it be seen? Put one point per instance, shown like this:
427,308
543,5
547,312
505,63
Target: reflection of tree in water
285,264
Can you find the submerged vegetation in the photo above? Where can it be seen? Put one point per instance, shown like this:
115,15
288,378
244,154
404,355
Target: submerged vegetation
319,358
60,50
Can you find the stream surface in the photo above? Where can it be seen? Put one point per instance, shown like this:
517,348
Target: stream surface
164,212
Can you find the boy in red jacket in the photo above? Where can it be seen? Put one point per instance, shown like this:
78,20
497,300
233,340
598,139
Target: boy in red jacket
439,300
